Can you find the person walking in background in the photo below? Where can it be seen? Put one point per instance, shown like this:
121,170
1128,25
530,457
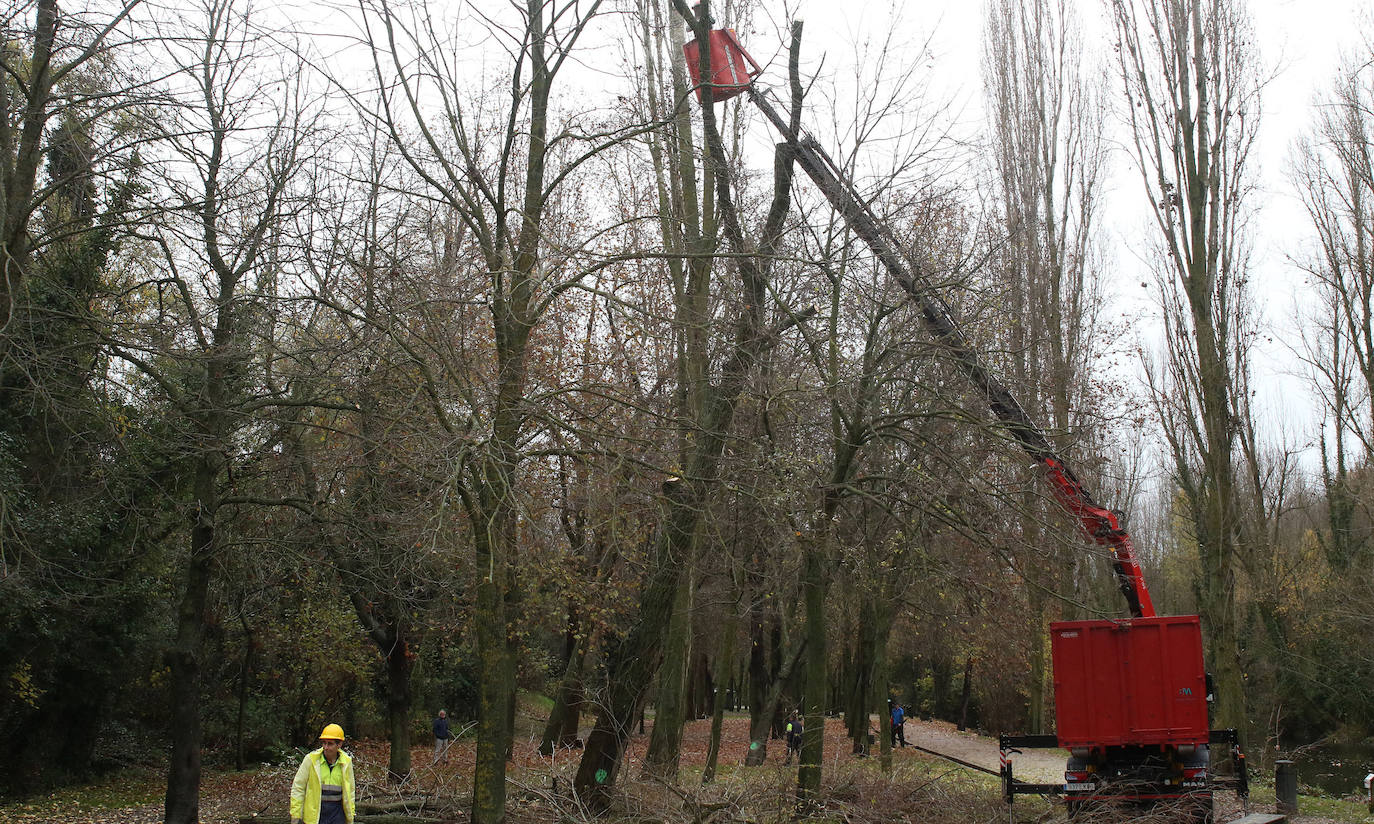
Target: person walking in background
793,731
442,738
898,725
322,792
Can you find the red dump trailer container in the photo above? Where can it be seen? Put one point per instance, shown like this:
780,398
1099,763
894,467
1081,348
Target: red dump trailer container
1129,682
1130,701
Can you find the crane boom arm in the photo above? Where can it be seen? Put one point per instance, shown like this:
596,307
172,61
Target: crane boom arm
1098,524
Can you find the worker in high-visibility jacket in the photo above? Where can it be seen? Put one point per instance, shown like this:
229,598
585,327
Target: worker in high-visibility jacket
323,790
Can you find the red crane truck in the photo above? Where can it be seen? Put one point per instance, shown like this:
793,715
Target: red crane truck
1131,695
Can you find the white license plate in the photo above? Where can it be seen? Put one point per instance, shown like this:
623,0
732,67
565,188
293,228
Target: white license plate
1074,787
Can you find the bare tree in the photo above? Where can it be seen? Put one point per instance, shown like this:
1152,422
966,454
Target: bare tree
1191,98
689,226
391,469
1334,173
229,159
707,406
500,166
1047,118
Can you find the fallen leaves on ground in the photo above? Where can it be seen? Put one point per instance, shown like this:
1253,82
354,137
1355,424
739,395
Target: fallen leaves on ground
921,787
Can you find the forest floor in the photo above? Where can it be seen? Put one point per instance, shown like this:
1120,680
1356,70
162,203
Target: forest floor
921,787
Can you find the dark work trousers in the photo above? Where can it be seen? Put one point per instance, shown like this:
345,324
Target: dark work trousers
332,812
899,734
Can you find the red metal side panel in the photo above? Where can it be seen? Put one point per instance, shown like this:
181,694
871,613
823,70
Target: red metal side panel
1137,681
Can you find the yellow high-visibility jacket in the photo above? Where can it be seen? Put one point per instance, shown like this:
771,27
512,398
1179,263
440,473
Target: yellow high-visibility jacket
314,774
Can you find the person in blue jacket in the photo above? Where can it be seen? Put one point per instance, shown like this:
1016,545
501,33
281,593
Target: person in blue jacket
898,725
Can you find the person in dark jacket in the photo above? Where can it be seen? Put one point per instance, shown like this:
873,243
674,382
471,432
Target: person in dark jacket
793,730
442,738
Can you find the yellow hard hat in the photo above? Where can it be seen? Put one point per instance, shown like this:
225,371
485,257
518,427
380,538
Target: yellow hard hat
332,731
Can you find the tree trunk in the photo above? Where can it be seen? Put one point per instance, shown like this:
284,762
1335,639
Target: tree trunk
813,731
665,742
701,688
861,676
847,677
1039,675
724,663
967,696
633,660
244,672
761,723
489,774
760,681
561,729
1218,532
942,686
883,691
398,669
182,804
513,693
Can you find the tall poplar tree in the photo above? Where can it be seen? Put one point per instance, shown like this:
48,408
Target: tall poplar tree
1048,155
1191,85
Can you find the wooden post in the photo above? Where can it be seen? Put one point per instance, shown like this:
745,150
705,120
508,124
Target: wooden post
1285,787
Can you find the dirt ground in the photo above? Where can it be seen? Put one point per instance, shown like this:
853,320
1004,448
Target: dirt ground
135,796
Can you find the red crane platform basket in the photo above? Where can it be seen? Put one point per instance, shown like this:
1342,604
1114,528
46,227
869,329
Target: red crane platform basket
732,68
